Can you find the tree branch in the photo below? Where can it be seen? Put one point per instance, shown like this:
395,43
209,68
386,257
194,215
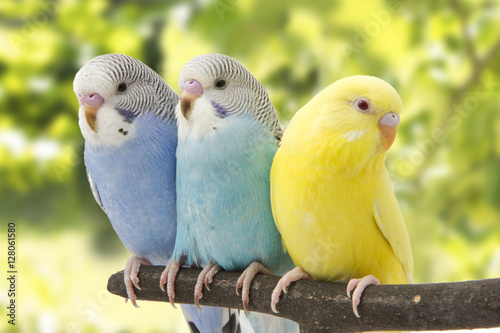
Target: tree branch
469,43
325,307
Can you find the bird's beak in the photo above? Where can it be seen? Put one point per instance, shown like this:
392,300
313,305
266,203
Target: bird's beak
91,104
190,91
90,116
388,125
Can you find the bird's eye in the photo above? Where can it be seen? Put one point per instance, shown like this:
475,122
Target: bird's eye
122,87
362,104
220,84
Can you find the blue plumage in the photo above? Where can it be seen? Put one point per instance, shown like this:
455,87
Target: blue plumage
136,187
224,207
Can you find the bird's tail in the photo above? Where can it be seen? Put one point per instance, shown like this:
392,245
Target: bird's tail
211,319
266,323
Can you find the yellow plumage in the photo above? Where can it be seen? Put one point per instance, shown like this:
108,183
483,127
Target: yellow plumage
331,194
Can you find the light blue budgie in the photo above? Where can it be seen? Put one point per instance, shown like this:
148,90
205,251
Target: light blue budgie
127,119
228,135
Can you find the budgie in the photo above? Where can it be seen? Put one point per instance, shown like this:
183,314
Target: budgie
228,135
331,194
128,121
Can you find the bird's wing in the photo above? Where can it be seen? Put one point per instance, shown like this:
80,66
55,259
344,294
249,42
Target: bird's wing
390,221
95,191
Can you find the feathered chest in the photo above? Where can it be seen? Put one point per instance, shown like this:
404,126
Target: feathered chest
240,148
223,170
132,170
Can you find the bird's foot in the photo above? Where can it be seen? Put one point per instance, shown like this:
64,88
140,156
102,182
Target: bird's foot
131,278
206,277
210,275
294,275
168,276
360,285
245,280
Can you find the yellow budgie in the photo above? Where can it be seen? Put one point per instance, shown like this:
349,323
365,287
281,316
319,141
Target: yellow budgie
332,196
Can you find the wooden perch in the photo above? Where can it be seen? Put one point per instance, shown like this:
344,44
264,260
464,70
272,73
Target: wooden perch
325,307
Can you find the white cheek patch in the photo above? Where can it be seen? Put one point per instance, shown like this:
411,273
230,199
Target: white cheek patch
354,134
112,130
202,120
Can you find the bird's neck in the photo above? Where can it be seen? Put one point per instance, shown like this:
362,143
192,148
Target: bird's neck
344,163
150,133
333,155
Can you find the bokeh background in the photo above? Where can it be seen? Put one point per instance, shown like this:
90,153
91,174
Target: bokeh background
443,57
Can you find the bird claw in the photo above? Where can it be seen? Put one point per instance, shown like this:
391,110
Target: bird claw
206,274
135,281
359,285
168,276
277,293
245,281
208,281
131,278
133,301
210,276
197,300
294,275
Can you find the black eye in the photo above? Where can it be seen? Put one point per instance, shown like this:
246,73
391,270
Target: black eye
220,84
362,104
122,87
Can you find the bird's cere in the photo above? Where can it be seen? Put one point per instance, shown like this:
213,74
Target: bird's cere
390,119
192,87
93,100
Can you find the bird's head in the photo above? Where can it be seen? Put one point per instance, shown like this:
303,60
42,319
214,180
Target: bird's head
362,113
113,90
216,87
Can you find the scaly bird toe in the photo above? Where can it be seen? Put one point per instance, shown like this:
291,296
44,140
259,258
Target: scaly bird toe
209,278
245,281
168,276
131,278
359,285
202,279
294,275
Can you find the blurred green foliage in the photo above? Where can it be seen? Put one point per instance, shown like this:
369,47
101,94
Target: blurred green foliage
442,57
